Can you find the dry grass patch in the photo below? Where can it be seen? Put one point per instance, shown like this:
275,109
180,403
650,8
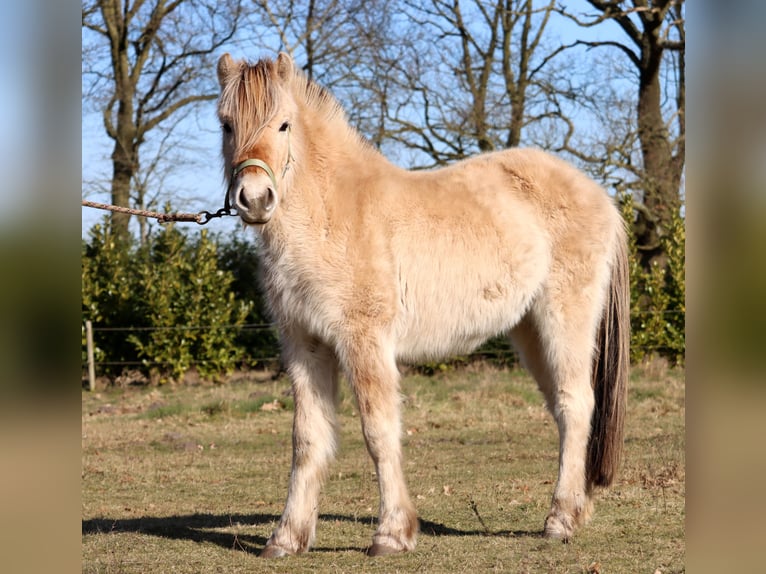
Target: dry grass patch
193,478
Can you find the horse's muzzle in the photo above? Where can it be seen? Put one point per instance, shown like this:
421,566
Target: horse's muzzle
254,205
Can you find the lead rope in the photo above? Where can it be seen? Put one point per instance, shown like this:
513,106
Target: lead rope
203,217
200,218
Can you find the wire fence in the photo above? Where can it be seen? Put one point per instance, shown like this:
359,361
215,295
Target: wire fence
500,350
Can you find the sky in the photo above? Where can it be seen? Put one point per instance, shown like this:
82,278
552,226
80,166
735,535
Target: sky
200,183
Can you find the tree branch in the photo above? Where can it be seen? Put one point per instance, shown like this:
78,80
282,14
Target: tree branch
171,109
636,60
106,115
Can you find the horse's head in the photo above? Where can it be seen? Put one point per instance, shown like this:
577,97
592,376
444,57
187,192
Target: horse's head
256,112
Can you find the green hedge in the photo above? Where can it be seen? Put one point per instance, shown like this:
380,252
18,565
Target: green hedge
173,295
658,295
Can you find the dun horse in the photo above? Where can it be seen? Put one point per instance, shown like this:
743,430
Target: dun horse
366,264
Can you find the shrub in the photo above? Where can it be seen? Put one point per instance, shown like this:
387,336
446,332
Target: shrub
240,258
188,302
108,296
172,294
658,295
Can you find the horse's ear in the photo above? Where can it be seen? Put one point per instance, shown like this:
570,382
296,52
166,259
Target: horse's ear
226,66
285,66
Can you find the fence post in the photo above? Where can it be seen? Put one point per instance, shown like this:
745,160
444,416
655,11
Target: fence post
91,364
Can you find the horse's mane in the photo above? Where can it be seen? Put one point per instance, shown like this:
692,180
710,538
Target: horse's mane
324,104
252,98
318,98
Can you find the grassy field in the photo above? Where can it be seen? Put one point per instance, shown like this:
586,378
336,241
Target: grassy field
192,479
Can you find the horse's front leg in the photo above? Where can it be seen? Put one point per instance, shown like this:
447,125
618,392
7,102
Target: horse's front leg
314,373
375,380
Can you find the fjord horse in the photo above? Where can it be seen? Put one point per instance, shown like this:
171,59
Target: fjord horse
366,264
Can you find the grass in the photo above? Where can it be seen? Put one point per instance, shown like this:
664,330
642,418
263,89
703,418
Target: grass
193,479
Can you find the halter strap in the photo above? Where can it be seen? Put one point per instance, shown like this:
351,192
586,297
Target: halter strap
235,171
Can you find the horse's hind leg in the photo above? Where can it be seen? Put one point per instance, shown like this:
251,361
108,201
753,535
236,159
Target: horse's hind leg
314,374
557,351
375,381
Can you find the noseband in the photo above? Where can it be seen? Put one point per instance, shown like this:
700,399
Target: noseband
253,162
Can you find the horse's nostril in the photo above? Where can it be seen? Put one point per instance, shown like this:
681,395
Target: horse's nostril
242,198
270,200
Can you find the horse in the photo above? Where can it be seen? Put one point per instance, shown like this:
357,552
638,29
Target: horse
366,266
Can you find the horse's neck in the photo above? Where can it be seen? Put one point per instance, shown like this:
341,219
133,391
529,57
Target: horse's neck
337,145
331,161
336,159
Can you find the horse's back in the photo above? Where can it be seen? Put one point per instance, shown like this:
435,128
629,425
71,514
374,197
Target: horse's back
579,220
552,185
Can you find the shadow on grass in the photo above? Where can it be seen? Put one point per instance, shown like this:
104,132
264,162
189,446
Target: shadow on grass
195,527
428,528
206,528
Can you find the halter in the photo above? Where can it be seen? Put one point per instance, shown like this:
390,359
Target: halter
253,162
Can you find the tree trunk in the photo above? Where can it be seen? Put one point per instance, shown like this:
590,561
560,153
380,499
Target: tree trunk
662,157
124,162
122,175
517,120
662,178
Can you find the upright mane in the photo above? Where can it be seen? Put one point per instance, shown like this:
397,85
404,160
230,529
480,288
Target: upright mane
251,99
317,97
327,108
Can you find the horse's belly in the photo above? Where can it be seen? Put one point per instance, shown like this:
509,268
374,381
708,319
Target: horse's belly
429,334
464,283
427,347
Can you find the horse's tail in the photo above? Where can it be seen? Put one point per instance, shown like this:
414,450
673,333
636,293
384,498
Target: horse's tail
610,374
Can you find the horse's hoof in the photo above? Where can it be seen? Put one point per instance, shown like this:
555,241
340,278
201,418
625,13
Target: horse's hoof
273,551
378,549
556,529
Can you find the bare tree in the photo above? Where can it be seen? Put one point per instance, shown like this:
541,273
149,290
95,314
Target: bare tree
322,32
347,46
146,61
430,81
481,78
656,31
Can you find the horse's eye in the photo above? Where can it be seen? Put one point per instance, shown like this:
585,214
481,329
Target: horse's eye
226,127
284,127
